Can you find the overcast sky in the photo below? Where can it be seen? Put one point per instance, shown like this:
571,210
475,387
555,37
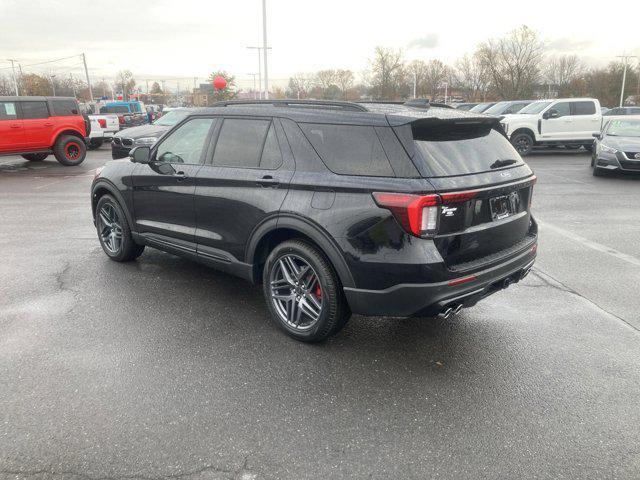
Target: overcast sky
169,38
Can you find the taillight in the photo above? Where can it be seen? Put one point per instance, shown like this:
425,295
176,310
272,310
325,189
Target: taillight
418,214
102,122
121,119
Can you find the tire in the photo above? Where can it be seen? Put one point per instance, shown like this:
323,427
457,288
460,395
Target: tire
597,172
588,148
95,143
35,157
110,218
523,143
319,281
70,150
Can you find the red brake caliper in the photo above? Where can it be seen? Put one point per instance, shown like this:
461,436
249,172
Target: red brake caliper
318,291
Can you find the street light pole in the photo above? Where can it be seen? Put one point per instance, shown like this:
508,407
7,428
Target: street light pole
259,69
264,47
86,72
625,59
254,85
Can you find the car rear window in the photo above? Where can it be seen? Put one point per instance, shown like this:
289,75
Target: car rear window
446,152
349,149
114,109
64,108
583,108
31,110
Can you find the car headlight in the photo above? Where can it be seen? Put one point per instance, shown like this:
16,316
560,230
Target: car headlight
606,149
145,141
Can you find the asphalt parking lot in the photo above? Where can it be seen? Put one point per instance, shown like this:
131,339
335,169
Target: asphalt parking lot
163,368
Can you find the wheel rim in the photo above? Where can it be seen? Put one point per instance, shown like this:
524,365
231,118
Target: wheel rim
523,144
110,228
72,151
296,293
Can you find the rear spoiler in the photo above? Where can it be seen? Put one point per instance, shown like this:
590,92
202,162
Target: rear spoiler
442,129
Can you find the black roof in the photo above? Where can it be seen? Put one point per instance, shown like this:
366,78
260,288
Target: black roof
33,99
375,114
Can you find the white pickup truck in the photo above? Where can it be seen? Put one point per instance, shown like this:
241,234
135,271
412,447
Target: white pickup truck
105,125
569,122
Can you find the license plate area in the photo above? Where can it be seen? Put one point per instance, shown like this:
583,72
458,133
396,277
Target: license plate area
504,206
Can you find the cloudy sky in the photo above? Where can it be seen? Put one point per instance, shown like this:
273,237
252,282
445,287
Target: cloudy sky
187,38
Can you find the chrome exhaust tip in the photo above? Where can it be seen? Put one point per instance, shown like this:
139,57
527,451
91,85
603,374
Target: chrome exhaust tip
457,309
446,313
525,273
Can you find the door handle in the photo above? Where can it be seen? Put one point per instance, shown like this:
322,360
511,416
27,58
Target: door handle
180,176
48,124
268,181
15,125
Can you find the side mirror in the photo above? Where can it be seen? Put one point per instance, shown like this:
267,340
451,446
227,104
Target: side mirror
553,113
597,135
140,155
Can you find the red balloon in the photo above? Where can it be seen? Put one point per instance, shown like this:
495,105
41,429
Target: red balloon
219,83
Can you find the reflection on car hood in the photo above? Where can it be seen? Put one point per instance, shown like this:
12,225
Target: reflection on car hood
626,144
143,131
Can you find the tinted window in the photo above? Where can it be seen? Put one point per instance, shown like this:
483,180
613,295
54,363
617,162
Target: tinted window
34,109
614,111
633,111
562,108
64,108
8,111
240,143
186,144
349,149
583,108
471,152
271,155
114,109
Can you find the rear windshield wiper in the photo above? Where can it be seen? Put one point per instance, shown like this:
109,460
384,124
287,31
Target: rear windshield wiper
502,163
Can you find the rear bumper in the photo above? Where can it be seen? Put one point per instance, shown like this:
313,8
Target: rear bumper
429,299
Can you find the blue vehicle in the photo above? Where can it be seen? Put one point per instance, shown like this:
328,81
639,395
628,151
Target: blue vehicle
130,114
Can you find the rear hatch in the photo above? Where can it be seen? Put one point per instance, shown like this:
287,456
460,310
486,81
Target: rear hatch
485,188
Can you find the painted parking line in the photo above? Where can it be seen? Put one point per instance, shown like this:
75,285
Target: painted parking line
66,177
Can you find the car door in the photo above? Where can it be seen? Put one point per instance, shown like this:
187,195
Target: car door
163,190
244,182
586,119
37,124
556,122
11,129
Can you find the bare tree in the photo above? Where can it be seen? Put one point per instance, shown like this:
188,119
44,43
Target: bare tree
324,81
417,72
435,76
125,83
513,62
344,81
563,71
299,85
472,77
388,76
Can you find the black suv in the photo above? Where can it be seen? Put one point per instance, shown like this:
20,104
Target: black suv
337,208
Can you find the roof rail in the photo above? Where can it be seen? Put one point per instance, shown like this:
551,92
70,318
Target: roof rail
326,104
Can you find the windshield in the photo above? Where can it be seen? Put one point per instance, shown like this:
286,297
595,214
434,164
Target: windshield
171,118
535,107
498,108
473,152
481,107
624,128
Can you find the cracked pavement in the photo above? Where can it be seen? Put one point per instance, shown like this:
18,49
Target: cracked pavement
165,369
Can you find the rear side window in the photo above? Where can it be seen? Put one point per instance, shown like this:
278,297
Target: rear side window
8,111
349,149
34,110
114,109
469,152
64,108
245,143
583,108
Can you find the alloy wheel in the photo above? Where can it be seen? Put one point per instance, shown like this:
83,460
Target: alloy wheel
296,292
523,145
110,228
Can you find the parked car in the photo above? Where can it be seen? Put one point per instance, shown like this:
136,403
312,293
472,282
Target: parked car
617,147
130,114
465,106
568,122
481,107
621,113
108,123
507,107
36,127
125,140
336,207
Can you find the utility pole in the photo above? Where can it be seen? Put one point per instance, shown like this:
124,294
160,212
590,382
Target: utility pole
625,58
254,85
73,85
415,81
53,84
259,49
146,81
86,72
264,47
15,82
